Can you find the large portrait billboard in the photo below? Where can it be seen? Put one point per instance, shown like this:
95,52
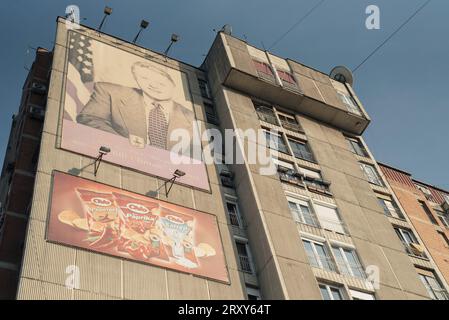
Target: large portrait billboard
101,218
135,106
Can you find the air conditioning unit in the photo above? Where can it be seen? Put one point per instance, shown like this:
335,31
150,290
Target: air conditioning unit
37,112
38,88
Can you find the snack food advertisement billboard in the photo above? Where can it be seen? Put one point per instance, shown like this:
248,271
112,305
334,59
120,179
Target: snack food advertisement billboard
108,220
139,108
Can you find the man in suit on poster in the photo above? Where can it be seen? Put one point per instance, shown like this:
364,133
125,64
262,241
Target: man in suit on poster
145,115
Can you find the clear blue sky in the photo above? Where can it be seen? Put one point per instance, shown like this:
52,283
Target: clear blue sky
404,87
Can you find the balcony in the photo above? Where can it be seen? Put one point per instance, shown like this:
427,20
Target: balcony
291,177
313,95
317,185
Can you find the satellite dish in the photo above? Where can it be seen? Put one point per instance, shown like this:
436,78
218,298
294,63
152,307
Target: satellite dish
342,74
227,29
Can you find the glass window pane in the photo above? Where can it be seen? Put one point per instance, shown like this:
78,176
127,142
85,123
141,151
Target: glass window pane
294,211
310,253
336,294
341,261
325,293
324,257
354,263
301,150
307,215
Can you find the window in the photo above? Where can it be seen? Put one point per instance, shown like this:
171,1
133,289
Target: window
349,102
289,122
406,236
433,285
410,242
286,77
329,218
348,263
425,191
329,292
244,256
390,208
444,238
357,147
428,213
211,115
359,295
204,89
301,150
302,212
318,255
276,142
266,114
253,293
371,174
444,218
233,213
446,197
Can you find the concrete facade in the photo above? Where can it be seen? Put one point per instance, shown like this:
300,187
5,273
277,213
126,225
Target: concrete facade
264,243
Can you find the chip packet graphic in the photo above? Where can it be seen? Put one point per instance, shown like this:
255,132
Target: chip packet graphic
99,208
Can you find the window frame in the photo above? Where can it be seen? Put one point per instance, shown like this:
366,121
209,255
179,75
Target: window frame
328,255
237,212
280,136
397,213
430,289
347,264
328,287
350,103
243,241
358,142
379,181
309,205
308,151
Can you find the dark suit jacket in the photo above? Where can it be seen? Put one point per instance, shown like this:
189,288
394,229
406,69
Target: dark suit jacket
121,110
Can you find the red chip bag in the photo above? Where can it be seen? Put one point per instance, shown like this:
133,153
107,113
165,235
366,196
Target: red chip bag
100,208
136,214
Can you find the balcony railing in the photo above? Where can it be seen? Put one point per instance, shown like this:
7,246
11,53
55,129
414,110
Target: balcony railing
245,263
317,185
351,270
234,220
440,293
290,177
415,250
267,115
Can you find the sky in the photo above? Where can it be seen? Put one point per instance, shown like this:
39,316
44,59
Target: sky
404,87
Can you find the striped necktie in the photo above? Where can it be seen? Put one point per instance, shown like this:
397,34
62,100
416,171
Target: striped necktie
157,127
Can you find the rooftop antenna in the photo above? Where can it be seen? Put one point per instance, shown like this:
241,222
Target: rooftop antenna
143,25
227,29
107,12
174,38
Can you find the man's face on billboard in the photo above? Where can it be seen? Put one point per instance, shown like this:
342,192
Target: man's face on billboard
153,82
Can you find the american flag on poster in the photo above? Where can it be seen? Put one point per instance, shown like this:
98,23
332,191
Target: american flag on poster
80,75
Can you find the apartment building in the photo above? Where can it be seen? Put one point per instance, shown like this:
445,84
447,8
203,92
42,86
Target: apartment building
19,170
113,217
426,208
